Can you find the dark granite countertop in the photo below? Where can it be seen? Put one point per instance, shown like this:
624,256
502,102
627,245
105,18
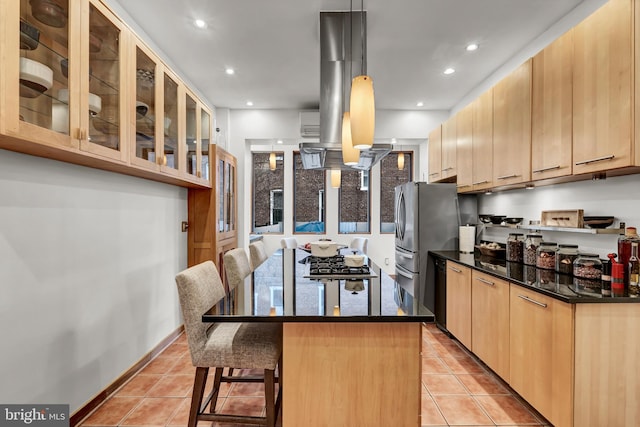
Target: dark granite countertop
562,287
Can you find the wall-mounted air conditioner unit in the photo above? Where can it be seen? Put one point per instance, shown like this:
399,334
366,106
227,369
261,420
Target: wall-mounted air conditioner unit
310,124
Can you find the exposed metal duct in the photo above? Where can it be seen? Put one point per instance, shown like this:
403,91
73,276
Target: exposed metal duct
342,53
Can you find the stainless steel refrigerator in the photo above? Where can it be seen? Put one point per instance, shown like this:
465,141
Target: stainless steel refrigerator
427,219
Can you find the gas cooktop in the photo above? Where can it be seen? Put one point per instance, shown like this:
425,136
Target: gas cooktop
335,267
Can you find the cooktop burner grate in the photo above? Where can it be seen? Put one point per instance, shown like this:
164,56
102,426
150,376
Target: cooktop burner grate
333,265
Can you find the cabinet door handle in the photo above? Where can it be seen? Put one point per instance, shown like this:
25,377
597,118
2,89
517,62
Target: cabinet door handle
434,173
481,182
485,281
447,169
463,186
546,169
597,159
526,298
455,270
508,176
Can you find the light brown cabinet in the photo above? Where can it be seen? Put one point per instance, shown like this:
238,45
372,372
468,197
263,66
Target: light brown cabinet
448,150
435,153
459,302
552,110
512,127
490,321
89,92
603,89
541,353
482,141
464,149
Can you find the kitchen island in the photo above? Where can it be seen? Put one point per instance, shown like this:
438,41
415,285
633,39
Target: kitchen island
351,344
566,349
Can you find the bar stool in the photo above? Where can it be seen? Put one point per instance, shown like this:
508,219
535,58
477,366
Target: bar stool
237,267
359,243
289,243
226,344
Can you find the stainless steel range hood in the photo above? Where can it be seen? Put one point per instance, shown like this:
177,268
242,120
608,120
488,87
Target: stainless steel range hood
342,51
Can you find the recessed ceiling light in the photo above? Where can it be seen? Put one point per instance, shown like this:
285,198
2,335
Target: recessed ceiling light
249,103
393,140
420,104
200,23
472,47
279,141
230,71
449,71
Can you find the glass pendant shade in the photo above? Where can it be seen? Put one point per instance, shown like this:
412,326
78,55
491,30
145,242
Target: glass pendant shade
335,178
401,161
350,155
363,112
272,161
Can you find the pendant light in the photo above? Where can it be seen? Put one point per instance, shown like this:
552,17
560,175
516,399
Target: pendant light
272,160
362,102
401,161
335,178
350,155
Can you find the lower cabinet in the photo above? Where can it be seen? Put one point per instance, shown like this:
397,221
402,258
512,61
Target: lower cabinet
459,302
541,353
490,321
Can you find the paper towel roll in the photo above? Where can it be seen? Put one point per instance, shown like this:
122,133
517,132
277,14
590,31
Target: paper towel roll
467,238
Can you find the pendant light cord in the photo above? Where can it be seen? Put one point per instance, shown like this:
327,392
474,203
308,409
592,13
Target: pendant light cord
362,67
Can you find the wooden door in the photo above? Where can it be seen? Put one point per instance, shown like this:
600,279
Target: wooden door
448,150
541,353
490,321
602,89
482,141
551,110
512,127
464,149
435,153
459,302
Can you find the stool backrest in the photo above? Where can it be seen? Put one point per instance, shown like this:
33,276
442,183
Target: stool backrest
257,254
289,243
237,267
359,243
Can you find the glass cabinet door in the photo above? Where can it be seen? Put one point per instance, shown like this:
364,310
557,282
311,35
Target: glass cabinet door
222,196
205,135
102,108
145,109
192,134
231,215
44,64
170,125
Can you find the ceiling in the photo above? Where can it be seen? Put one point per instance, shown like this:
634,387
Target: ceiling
273,45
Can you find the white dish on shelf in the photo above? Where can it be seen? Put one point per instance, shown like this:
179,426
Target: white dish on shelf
141,110
35,78
95,102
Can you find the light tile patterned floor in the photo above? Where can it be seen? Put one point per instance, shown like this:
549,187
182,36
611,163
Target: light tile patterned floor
457,391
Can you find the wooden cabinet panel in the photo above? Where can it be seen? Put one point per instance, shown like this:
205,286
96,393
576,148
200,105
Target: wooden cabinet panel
482,145
512,127
464,149
490,321
435,153
448,151
459,302
541,353
602,89
551,110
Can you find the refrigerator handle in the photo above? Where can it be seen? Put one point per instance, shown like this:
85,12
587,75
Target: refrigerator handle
400,222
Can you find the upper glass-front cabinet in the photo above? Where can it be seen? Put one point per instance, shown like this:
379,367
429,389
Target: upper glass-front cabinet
169,147
145,108
205,135
197,140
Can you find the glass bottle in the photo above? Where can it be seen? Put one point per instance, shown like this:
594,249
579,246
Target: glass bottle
531,243
624,251
546,255
634,271
515,247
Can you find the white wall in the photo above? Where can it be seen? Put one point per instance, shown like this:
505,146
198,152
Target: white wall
257,130
87,279
619,197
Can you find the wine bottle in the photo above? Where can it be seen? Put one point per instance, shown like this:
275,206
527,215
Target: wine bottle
634,271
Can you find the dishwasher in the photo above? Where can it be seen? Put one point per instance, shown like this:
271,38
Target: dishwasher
440,308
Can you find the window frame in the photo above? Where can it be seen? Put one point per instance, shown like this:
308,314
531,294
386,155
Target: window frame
280,164
368,190
322,196
411,153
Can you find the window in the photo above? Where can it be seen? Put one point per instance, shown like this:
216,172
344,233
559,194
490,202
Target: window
268,203
309,200
354,202
390,177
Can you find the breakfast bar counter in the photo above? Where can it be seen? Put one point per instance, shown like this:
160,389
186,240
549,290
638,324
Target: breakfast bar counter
351,344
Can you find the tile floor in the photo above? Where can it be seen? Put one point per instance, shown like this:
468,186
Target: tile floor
457,391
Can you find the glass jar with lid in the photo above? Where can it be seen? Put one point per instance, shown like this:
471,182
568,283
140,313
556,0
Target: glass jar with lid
531,243
546,255
588,266
564,258
515,247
